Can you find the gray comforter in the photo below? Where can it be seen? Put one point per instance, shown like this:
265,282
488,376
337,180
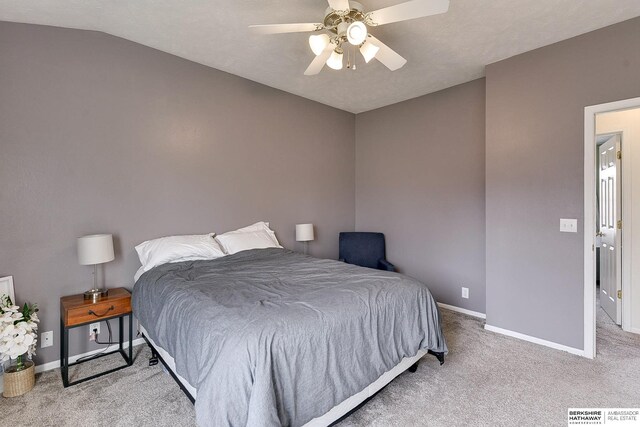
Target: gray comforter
272,337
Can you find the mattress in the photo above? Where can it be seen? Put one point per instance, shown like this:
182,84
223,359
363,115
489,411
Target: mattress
273,337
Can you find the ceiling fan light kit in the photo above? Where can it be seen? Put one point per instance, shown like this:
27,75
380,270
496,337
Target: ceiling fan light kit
335,60
317,43
368,51
356,33
346,22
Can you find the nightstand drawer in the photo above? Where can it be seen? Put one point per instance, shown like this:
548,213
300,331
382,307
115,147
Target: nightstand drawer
97,311
75,310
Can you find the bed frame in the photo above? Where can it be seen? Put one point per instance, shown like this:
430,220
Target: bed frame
335,414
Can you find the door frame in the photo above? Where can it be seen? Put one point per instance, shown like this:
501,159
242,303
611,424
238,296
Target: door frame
590,308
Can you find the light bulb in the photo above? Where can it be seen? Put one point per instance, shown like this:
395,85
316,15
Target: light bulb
318,42
356,33
368,51
335,60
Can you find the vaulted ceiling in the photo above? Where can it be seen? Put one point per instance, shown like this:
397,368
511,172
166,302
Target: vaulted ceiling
442,50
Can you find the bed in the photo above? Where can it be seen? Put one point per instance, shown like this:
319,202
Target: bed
273,337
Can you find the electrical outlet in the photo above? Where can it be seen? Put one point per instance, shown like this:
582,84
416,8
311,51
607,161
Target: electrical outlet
94,327
46,339
465,292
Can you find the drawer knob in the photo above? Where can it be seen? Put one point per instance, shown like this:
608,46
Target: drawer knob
103,314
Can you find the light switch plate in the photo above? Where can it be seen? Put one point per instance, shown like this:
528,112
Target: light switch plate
568,225
465,292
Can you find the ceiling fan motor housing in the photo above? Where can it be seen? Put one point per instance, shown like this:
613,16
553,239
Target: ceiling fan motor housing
342,28
334,18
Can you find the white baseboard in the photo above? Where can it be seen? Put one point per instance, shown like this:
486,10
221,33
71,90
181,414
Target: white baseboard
635,330
551,344
56,363
462,310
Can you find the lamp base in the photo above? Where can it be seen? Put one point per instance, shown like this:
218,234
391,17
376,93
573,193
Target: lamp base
95,294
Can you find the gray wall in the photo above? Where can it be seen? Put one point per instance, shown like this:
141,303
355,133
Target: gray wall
420,180
99,134
534,162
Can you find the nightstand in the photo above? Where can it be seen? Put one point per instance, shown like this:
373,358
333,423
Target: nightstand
76,311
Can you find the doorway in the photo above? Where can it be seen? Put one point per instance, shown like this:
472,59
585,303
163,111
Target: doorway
609,224
612,130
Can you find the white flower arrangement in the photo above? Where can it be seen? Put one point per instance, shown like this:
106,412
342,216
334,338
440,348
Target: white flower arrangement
18,331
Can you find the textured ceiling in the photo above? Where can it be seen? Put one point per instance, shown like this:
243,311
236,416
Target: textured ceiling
442,50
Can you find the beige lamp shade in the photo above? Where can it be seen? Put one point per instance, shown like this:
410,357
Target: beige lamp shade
95,249
304,232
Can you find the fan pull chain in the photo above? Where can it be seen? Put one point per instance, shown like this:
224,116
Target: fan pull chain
354,58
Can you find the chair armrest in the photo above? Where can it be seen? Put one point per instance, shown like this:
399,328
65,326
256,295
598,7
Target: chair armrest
383,264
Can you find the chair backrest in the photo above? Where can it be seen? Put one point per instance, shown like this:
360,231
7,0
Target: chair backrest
363,249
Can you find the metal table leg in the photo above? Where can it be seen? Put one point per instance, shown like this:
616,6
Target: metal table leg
130,339
64,353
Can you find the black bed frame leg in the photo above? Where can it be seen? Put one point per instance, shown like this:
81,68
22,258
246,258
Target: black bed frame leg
439,355
153,360
413,367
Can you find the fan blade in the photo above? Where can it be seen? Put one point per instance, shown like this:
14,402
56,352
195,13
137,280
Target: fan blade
318,62
408,10
284,28
388,56
339,4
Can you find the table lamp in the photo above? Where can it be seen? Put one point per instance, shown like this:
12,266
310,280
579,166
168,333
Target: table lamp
93,250
304,233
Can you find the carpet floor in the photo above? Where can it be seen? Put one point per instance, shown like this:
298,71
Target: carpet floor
488,380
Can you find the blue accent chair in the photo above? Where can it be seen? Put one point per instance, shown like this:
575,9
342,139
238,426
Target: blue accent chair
365,250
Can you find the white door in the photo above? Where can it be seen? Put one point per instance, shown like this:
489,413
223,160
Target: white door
609,228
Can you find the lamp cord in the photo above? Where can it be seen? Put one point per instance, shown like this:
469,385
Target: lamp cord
108,342
102,343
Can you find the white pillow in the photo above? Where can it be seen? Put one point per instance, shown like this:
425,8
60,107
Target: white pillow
177,248
256,236
261,225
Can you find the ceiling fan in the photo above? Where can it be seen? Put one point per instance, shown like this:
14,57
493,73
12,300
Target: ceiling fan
345,23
